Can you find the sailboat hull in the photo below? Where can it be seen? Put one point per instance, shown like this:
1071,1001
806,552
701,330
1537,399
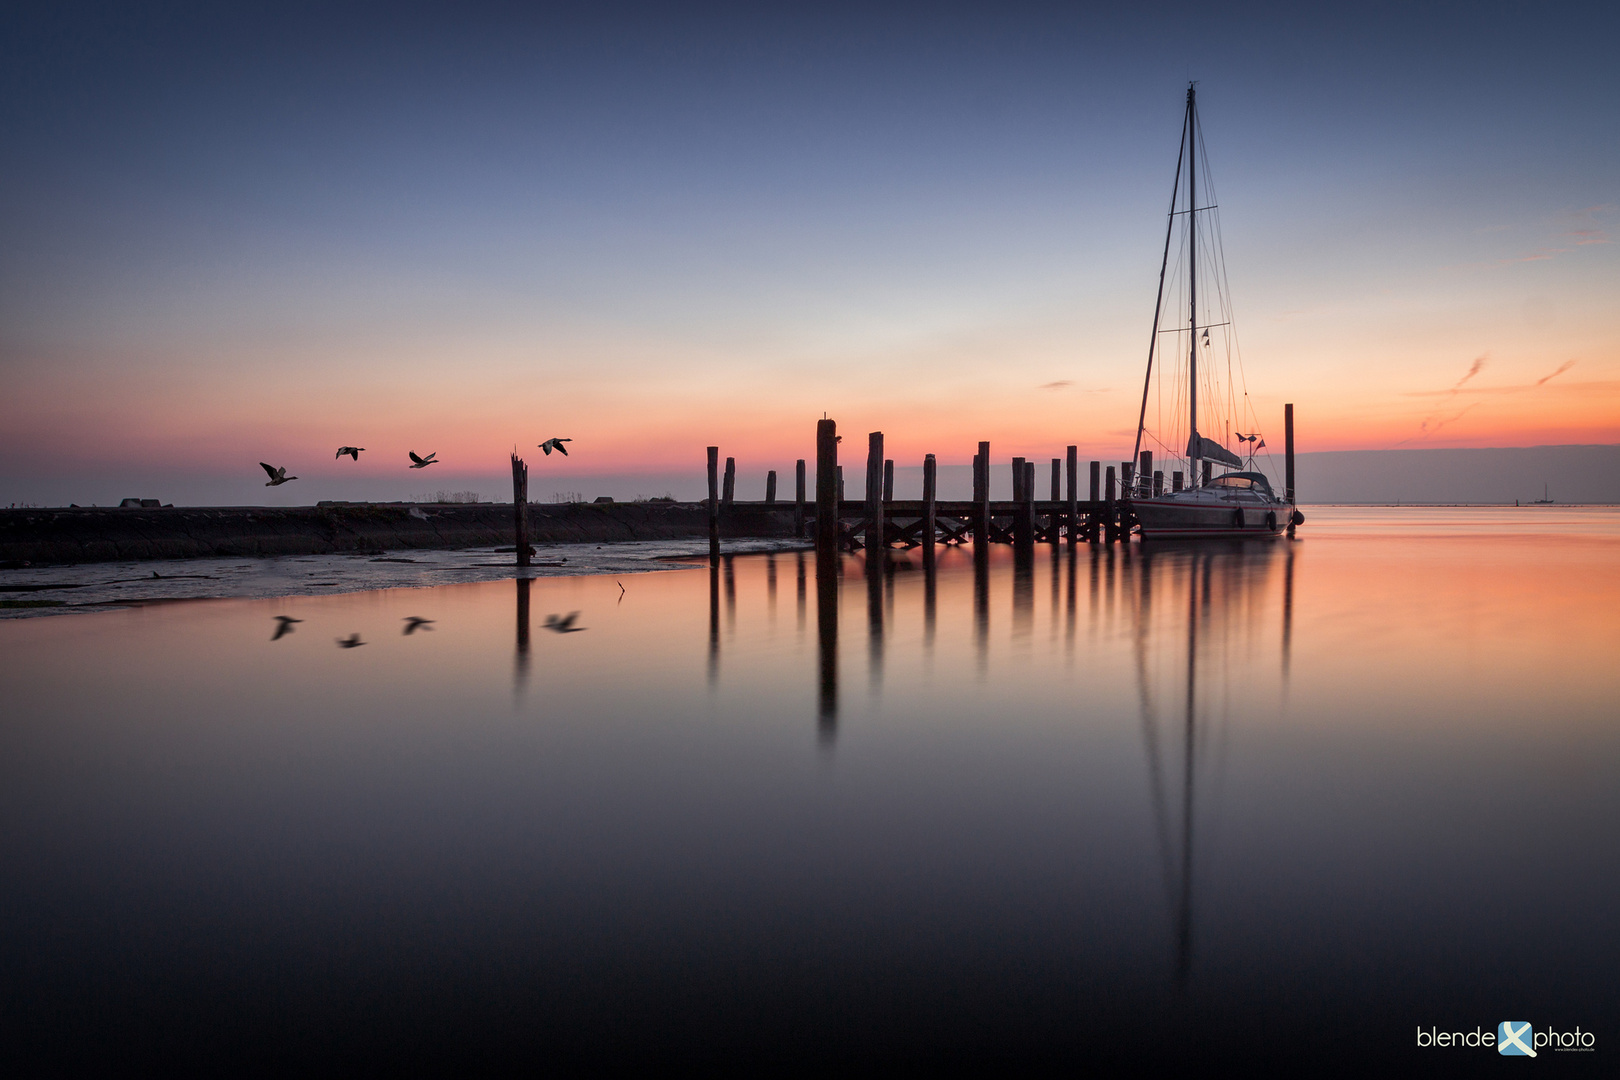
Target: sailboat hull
1198,515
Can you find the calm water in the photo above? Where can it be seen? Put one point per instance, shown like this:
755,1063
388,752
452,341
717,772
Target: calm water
1286,800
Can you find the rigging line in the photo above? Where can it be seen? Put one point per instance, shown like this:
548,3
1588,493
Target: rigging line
1158,300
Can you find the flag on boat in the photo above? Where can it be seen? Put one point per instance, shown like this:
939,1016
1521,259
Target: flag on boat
1200,447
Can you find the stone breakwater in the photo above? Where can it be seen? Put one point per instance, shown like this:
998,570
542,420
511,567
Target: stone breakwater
84,535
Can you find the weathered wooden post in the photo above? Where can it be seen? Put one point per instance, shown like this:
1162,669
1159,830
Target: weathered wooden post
1026,509
1109,527
1146,471
520,508
798,499
730,492
1176,480
1288,452
1018,479
1207,465
874,495
840,483
1127,479
888,480
770,486
1096,481
930,495
714,504
1073,516
1158,482
827,482
981,498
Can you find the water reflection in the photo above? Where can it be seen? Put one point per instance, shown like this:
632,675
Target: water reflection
520,668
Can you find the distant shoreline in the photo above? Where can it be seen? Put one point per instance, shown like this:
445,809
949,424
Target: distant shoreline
56,536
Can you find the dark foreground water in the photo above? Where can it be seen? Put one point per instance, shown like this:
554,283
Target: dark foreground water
1132,806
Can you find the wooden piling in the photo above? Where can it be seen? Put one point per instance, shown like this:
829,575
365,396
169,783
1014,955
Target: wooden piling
1026,510
1176,480
874,495
798,499
981,499
730,492
827,484
714,504
1072,518
1145,471
888,480
770,486
1109,530
520,508
1057,479
1288,452
1127,479
1207,466
1096,481
930,496
1018,479
1158,482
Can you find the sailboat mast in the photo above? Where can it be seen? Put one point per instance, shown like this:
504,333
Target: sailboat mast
1192,283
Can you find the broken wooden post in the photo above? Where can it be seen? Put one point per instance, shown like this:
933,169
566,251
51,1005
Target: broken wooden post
714,504
874,494
888,480
770,486
520,508
1073,516
730,491
798,499
827,492
930,495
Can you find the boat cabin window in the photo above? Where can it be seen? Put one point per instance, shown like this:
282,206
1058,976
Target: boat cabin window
1243,481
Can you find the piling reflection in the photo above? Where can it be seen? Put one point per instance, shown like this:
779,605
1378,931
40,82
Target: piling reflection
520,669
827,568
714,622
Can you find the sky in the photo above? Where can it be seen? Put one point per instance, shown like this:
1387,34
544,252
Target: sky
232,234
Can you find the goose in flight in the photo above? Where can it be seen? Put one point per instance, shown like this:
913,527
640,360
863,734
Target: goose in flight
423,462
564,625
555,444
415,623
277,476
284,626
352,451
350,642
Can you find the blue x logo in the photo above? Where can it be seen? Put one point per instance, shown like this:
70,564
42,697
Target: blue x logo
1515,1039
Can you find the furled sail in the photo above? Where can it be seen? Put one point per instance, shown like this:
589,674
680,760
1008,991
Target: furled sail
1209,449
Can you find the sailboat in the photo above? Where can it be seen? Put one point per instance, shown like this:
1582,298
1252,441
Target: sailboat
1237,503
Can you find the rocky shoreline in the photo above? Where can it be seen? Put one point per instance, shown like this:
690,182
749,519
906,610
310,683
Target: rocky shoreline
42,537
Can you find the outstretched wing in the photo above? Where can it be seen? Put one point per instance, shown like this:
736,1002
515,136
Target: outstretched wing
270,469
561,449
567,622
414,458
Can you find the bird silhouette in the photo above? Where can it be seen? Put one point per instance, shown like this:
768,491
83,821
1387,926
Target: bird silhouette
555,444
350,642
277,476
284,626
415,623
423,462
564,625
1245,438
352,451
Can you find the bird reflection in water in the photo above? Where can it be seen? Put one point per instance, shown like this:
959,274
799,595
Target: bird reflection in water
563,624
351,642
413,623
284,626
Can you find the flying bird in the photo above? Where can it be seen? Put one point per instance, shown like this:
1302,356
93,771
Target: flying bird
555,444
277,476
415,623
350,642
1246,438
423,462
352,451
284,626
564,625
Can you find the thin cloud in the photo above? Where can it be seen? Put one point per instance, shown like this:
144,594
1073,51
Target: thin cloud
1474,369
1582,237
1565,366
1059,385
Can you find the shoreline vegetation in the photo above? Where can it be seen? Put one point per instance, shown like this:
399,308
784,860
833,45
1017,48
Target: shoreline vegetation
57,536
